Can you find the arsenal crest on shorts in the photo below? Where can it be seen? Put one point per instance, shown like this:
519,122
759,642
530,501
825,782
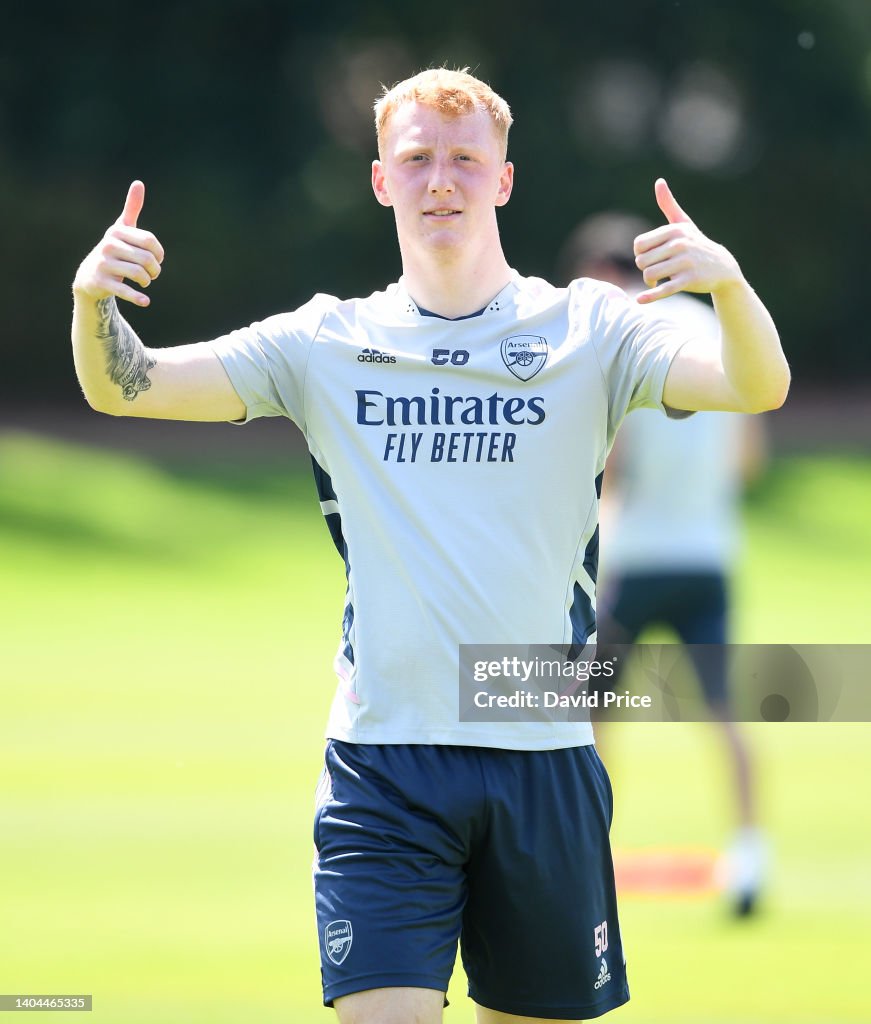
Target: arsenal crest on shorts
524,355
338,937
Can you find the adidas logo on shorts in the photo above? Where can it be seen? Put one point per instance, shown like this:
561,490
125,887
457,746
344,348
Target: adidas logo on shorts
604,975
372,355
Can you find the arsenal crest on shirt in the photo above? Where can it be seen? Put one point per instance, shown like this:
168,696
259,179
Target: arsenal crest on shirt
524,355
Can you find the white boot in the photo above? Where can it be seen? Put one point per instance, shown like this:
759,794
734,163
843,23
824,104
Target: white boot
745,869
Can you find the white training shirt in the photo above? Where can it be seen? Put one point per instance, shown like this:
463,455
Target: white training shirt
457,463
679,479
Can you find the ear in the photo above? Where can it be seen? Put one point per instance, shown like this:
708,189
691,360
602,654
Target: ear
506,183
379,184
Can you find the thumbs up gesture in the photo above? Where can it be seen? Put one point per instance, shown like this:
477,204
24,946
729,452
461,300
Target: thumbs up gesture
125,253
677,257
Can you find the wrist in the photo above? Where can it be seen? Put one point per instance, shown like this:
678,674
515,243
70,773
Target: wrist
732,287
85,295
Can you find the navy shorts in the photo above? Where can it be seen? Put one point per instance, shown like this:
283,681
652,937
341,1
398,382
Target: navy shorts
693,604
505,851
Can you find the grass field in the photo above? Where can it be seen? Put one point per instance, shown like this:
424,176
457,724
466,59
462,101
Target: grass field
167,636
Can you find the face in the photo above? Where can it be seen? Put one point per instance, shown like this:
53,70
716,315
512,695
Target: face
444,177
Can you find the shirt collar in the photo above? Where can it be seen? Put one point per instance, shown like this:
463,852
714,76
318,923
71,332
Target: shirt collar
501,301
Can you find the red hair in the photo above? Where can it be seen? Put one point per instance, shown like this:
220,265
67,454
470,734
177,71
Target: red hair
453,93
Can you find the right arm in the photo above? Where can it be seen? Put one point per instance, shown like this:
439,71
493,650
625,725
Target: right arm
118,374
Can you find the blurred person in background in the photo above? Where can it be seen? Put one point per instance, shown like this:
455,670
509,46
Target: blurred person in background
670,519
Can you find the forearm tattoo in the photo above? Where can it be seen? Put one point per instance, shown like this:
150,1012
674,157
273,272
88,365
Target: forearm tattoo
127,359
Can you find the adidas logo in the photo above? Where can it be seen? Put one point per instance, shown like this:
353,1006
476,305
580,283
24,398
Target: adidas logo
372,355
604,975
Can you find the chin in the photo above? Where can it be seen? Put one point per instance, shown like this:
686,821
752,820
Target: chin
443,238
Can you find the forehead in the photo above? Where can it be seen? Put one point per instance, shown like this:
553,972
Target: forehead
416,124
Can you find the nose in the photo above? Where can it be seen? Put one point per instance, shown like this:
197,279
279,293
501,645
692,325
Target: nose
440,180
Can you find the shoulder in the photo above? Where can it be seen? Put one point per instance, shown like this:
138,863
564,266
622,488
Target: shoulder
580,296
599,297
306,320
302,321
603,308
688,312
593,288
386,307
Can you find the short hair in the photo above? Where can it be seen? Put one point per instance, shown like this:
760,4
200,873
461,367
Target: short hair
602,240
453,93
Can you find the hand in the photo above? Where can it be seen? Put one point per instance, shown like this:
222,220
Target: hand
679,256
124,252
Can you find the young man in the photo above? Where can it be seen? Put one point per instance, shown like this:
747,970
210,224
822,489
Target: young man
441,415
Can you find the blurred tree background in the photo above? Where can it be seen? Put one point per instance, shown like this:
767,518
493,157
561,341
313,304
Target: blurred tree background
250,123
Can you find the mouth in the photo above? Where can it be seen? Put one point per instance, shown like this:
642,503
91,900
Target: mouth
442,213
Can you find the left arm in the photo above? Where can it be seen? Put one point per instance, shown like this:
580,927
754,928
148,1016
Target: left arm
748,372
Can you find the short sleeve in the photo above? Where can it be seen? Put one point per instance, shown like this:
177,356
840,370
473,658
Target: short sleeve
266,362
635,348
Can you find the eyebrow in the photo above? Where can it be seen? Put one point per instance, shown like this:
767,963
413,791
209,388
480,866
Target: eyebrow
421,145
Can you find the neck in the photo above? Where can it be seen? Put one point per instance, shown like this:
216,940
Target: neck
455,284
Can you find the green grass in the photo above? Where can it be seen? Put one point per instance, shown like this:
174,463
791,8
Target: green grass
167,638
